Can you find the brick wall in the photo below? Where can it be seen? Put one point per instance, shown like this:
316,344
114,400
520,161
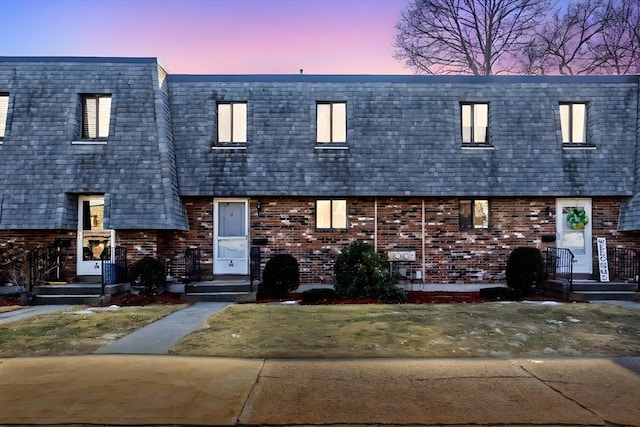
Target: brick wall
450,255
443,253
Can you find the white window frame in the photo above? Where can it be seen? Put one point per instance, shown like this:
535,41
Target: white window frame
475,115
331,214
475,206
331,122
4,115
232,122
101,121
573,122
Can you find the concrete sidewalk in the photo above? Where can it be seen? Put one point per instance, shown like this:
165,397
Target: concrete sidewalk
155,390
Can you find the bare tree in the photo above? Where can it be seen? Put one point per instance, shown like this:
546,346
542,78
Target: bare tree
479,37
618,47
589,37
567,41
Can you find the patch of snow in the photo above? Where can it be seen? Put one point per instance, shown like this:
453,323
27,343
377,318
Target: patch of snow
555,322
573,320
542,302
92,310
235,335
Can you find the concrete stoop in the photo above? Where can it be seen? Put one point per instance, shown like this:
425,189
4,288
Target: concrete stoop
88,293
591,290
227,290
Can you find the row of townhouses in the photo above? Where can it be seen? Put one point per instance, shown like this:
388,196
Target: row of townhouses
448,174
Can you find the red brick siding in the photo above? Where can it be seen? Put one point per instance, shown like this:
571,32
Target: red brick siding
450,255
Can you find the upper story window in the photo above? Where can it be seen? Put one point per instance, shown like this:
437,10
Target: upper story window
232,122
331,214
475,123
474,214
573,122
96,116
4,112
331,122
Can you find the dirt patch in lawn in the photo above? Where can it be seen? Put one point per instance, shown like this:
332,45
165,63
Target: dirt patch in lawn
503,330
77,330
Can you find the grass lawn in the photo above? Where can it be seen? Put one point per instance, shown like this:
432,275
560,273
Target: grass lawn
6,308
499,330
75,330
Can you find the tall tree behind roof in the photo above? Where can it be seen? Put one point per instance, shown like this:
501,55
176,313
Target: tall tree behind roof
480,37
485,37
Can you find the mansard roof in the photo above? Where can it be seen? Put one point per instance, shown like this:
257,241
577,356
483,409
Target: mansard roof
403,139
42,168
404,136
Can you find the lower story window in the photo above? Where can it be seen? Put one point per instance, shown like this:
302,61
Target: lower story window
331,214
474,214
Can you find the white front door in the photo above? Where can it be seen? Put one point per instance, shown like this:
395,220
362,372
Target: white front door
231,236
93,239
573,225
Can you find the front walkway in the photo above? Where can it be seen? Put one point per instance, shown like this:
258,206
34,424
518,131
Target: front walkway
158,337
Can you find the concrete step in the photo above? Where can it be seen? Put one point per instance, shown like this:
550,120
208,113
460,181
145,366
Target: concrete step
604,295
590,290
200,287
591,286
72,299
220,296
81,289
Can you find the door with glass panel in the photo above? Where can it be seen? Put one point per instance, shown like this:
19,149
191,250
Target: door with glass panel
231,236
573,225
94,241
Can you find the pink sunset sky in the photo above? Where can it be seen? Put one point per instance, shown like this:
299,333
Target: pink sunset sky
212,36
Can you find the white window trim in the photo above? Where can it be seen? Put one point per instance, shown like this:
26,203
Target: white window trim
229,147
90,142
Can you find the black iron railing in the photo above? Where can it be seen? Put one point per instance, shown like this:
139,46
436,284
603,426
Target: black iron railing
44,266
559,265
254,265
624,264
114,270
192,271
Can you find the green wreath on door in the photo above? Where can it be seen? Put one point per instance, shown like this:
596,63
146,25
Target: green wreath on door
577,219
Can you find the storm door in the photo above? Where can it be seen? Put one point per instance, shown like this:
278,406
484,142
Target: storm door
573,225
231,240
94,241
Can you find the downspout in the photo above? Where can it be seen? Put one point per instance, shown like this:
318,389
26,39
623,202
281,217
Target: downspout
375,224
424,257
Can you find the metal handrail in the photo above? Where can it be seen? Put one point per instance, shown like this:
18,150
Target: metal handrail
113,271
559,265
624,263
192,270
254,267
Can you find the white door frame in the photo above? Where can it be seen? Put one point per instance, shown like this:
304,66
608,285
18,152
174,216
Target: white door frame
236,261
571,238
88,257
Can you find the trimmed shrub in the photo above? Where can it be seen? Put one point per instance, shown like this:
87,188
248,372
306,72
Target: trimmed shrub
525,270
316,295
147,273
281,275
360,272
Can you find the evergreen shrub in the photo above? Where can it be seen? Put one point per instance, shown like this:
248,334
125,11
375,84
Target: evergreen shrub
525,270
281,275
148,273
360,272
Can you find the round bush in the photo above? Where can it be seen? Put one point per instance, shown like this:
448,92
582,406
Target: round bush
147,273
525,270
281,276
